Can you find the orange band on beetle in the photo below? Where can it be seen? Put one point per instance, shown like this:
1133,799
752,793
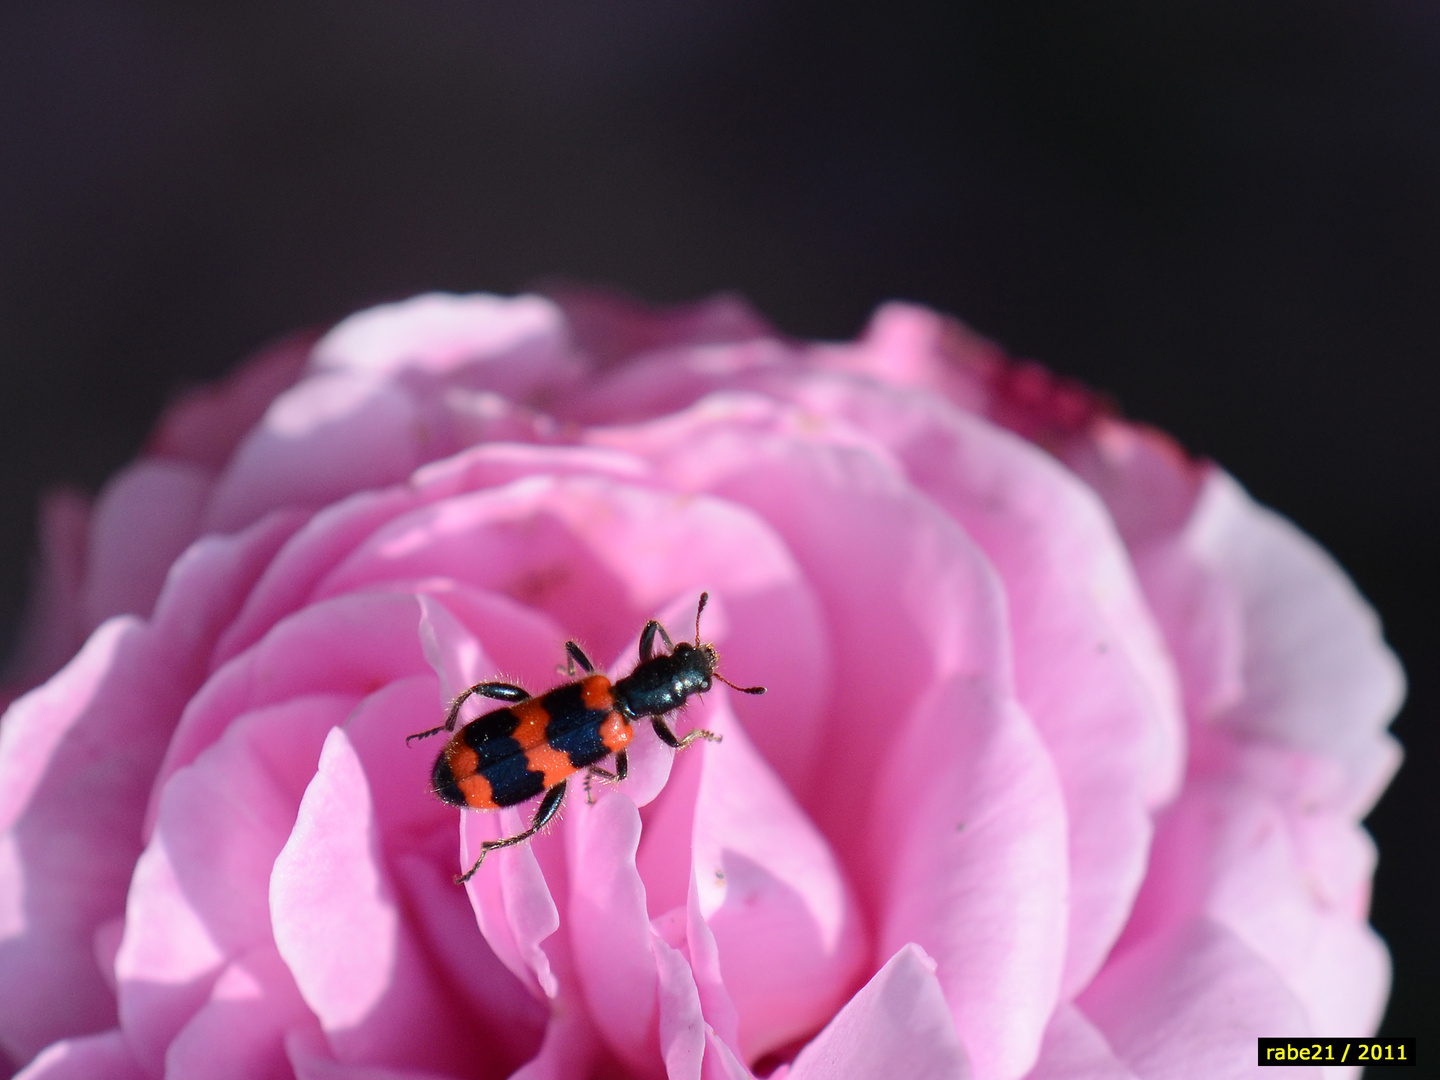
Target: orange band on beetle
553,764
477,792
533,718
615,732
462,760
595,694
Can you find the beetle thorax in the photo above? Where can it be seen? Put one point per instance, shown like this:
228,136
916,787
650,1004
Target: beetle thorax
664,683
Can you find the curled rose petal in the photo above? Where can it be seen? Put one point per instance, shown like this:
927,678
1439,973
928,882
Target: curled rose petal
898,1024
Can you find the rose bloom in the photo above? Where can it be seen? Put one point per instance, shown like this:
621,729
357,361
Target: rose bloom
1059,773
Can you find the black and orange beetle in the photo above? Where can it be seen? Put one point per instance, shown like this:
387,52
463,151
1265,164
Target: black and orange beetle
534,744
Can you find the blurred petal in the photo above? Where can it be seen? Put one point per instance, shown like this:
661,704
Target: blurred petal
144,518
1288,877
311,1058
897,1025
570,1049
1317,674
84,1058
100,726
611,328
908,345
1144,477
204,425
1192,1002
290,577
516,344
329,435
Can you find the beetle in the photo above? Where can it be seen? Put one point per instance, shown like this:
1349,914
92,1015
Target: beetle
535,744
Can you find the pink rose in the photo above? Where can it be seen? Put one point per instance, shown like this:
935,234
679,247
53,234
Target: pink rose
1059,773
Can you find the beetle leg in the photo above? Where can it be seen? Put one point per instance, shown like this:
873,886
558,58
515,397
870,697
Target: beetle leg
668,737
647,640
500,691
575,655
548,806
622,770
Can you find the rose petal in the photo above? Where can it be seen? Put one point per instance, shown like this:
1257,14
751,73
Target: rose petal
720,1062
928,607
417,837
340,932
682,1027
351,644
704,955
570,1049
665,382
908,345
975,868
289,579
502,1011
200,898
610,328
1199,613
616,969
1317,674
449,649
897,1025
784,919
239,1033
1191,1002
517,344
311,1058
1074,1050
568,546
512,900
1090,665
1287,877
328,436
143,519
89,1056
99,726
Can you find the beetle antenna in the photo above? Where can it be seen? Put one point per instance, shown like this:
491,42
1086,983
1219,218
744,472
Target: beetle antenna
742,689
704,599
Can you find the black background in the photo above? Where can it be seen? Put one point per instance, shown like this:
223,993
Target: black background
1226,214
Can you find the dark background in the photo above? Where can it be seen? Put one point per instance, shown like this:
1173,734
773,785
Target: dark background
1227,214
